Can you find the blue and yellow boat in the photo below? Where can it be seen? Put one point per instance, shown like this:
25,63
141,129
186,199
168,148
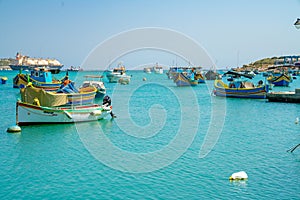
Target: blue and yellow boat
40,78
3,79
240,89
280,79
182,79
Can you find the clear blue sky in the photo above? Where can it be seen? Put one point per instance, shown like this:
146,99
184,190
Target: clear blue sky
232,31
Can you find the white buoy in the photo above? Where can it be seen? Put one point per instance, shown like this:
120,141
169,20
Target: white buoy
239,176
297,120
14,129
144,79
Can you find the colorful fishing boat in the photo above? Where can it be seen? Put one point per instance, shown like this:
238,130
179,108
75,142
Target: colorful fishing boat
183,79
96,81
239,88
40,78
3,79
198,76
280,79
27,113
194,72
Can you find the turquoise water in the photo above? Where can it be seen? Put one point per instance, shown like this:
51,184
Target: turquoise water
151,150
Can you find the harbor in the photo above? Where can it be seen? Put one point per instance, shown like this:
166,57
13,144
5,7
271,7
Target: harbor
150,100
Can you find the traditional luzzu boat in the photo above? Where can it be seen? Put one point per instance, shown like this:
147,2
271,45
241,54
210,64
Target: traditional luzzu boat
239,88
183,79
199,77
186,76
39,77
3,79
280,79
39,107
27,113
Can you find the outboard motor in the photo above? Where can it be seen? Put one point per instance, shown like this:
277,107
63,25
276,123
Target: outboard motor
106,101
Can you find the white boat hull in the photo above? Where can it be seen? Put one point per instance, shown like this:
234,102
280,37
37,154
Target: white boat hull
31,114
114,78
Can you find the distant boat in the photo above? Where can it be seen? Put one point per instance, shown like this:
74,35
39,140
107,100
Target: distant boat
198,75
182,79
239,88
27,113
40,78
281,79
297,23
211,75
116,74
158,69
147,70
96,81
3,79
76,69
28,63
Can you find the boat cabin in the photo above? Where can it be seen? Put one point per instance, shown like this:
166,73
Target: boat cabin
41,76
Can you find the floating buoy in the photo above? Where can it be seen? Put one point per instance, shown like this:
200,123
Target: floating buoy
144,79
297,120
239,176
14,129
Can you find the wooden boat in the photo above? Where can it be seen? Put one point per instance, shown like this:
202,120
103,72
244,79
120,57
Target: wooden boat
67,95
239,88
198,76
3,79
39,78
27,113
116,74
96,81
280,79
182,79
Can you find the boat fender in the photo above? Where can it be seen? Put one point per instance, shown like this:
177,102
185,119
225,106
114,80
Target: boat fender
96,113
239,176
14,129
36,101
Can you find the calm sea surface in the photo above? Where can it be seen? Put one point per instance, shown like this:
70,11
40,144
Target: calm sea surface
166,143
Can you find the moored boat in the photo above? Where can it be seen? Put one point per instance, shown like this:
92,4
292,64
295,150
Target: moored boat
147,70
280,79
96,81
3,79
27,113
67,95
158,69
240,88
182,79
116,74
40,78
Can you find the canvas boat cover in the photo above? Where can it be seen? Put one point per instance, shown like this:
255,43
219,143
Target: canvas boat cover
49,99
